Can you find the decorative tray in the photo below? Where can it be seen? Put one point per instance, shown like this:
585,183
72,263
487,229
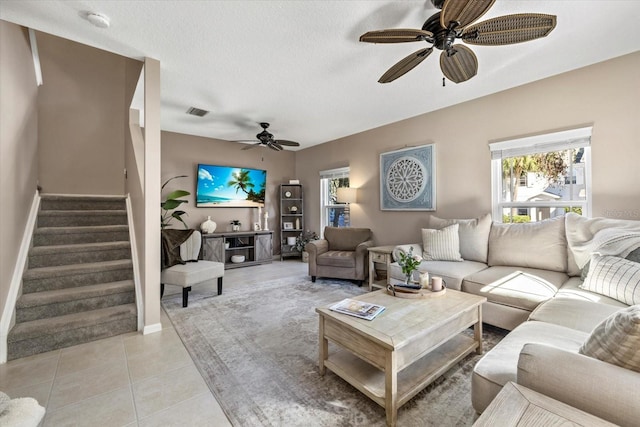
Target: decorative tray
401,292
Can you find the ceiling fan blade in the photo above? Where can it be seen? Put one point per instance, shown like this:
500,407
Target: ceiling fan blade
273,147
397,35
464,12
249,147
510,29
460,66
289,143
405,65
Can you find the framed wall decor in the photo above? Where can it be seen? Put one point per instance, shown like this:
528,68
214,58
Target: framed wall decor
287,225
408,179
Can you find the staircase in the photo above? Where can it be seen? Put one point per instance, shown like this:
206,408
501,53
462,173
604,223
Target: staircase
79,283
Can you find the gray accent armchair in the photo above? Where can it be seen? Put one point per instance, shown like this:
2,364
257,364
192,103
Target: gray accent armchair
341,254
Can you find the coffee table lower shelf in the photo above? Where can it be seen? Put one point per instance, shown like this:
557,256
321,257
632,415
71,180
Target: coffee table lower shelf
411,380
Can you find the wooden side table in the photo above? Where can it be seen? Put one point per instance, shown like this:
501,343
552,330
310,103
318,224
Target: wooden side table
379,255
517,405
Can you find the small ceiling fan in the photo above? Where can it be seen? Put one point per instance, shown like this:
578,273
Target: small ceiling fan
266,138
458,62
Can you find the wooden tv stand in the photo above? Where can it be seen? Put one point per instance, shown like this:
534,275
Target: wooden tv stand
256,246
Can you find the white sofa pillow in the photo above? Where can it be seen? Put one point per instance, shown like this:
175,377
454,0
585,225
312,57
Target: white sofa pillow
441,245
534,244
581,232
614,277
473,234
617,339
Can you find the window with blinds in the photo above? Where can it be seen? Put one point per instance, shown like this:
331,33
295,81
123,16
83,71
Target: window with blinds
333,213
542,176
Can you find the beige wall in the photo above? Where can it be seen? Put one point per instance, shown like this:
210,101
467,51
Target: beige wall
18,145
605,95
83,108
181,155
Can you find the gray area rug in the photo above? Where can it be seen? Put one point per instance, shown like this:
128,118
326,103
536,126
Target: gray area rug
257,348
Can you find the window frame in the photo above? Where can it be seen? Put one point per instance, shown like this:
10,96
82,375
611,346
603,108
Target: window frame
556,141
325,176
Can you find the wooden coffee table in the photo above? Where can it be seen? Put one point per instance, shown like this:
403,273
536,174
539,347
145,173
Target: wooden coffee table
394,356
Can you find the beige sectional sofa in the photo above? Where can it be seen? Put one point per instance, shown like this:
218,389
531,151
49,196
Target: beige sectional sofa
531,276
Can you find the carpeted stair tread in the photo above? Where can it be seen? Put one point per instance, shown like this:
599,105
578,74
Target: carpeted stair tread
82,247
69,235
83,229
68,270
70,294
83,213
53,325
59,202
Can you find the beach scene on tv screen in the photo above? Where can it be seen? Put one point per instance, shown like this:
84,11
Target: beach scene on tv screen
225,186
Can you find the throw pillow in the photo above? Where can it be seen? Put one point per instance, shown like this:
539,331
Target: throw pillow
633,256
473,234
441,245
614,277
616,339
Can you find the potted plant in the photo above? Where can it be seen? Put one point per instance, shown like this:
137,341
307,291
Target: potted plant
171,202
302,240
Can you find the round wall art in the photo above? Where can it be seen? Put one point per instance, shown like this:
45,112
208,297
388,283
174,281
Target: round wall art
407,179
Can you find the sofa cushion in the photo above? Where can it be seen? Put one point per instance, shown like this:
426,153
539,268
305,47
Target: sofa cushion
500,365
577,314
614,277
617,339
473,233
571,289
451,272
346,238
441,245
337,259
522,288
535,244
581,232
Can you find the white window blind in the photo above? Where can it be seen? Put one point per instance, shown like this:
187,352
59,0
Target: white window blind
557,141
335,173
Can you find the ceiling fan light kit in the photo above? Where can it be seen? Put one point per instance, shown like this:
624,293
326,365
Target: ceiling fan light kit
457,62
266,138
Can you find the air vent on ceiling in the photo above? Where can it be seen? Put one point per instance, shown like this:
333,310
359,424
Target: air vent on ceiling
197,112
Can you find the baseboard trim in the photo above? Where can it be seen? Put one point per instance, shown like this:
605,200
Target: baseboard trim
16,278
151,329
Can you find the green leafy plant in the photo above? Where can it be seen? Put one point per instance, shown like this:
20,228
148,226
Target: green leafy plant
171,202
304,238
409,262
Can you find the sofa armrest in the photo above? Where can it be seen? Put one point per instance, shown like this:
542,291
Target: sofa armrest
417,250
315,248
599,388
362,258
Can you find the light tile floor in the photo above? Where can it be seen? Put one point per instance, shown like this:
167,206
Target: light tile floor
130,379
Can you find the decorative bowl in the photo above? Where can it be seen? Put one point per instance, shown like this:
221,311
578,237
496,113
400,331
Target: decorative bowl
236,259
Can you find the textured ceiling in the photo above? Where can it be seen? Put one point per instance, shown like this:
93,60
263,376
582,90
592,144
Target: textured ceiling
299,65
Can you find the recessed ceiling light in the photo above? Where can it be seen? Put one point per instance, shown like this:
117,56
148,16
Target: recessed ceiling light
98,19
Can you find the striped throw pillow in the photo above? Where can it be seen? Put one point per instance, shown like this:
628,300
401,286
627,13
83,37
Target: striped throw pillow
441,245
614,277
616,339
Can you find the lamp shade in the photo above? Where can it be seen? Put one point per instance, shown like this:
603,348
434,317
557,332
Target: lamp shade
346,195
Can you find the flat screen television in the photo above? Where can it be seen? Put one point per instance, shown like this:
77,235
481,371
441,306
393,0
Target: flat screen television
229,186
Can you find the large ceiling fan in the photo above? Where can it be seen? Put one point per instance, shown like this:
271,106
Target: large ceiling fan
458,62
266,138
